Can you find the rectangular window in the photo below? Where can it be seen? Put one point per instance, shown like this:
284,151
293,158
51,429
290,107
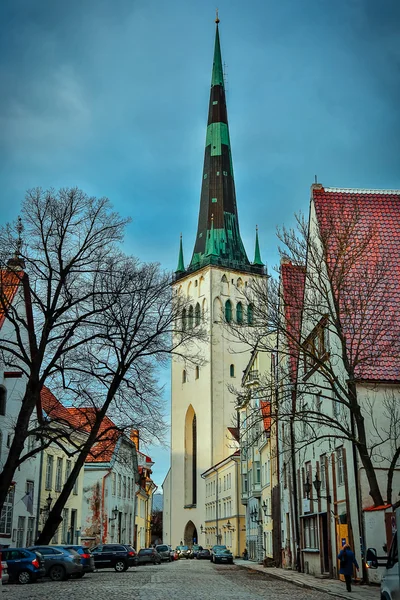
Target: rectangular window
129,487
68,467
75,489
57,486
310,532
124,486
49,472
340,465
20,532
30,531
322,462
7,513
114,484
268,473
258,472
244,484
119,484
284,476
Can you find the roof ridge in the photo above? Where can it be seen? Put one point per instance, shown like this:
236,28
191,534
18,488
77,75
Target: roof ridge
360,190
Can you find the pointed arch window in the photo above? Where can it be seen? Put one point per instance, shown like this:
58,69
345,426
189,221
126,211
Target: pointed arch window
239,313
250,314
197,315
232,370
228,311
184,376
190,318
184,319
197,372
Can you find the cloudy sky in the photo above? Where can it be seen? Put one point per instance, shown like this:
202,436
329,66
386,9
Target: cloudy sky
112,96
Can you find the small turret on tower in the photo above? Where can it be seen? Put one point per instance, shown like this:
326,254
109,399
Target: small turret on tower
257,254
181,263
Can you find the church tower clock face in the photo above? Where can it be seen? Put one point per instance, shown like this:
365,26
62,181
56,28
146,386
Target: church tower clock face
213,285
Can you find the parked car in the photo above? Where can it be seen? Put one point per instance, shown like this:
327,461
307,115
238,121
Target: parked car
195,550
204,553
148,555
164,551
114,556
59,564
24,566
87,559
221,554
4,572
184,552
173,553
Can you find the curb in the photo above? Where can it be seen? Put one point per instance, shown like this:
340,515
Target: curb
302,584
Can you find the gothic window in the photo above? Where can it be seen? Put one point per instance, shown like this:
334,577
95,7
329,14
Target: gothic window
239,283
197,314
184,319
224,285
197,372
201,286
228,311
184,377
190,318
232,370
217,310
3,398
250,314
190,457
239,313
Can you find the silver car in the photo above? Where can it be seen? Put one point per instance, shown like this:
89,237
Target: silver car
59,563
164,551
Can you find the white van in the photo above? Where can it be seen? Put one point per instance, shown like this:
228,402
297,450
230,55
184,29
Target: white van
390,584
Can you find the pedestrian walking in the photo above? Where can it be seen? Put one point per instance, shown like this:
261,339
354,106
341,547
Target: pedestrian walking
347,560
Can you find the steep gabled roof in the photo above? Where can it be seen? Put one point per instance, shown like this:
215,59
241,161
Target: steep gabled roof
361,234
56,411
108,436
293,279
9,282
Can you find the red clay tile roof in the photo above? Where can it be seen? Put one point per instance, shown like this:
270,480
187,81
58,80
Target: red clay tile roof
108,436
365,223
234,431
9,282
293,278
55,410
265,406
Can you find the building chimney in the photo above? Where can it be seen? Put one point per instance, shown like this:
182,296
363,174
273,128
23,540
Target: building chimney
135,438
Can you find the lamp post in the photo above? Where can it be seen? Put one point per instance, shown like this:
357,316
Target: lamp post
317,485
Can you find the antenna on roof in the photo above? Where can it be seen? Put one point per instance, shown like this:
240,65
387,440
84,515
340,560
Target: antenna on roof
20,229
316,179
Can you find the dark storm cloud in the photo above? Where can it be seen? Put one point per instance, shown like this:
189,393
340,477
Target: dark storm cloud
112,96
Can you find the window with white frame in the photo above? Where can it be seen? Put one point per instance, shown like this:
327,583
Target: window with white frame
68,468
340,465
310,532
30,531
49,472
20,532
58,483
7,513
322,461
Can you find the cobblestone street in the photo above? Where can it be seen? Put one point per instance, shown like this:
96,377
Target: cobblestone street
197,580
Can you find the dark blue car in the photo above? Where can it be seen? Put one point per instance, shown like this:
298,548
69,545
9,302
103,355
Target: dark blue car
87,558
24,566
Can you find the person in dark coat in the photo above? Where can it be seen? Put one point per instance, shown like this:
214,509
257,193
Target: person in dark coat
347,560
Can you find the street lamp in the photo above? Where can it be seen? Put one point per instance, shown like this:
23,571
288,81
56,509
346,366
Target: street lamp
317,485
202,529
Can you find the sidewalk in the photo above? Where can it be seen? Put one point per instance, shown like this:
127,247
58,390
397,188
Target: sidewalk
329,586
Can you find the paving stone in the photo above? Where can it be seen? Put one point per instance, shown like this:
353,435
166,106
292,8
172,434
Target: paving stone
197,580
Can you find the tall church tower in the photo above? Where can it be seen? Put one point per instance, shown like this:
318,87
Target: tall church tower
202,408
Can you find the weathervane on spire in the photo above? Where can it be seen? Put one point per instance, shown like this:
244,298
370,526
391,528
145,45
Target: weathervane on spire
217,17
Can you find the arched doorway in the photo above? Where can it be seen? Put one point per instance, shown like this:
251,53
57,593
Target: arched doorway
190,536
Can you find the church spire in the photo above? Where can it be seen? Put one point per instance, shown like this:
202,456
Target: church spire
257,253
218,196
181,264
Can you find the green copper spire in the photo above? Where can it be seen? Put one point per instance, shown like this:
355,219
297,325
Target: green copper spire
181,264
218,238
257,253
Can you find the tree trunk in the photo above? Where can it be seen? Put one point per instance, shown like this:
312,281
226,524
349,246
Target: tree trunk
392,467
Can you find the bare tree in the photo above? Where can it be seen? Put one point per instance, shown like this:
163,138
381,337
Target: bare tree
68,244
349,331
140,327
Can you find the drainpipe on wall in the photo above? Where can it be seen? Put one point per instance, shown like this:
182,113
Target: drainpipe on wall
294,483
39,493
103,485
